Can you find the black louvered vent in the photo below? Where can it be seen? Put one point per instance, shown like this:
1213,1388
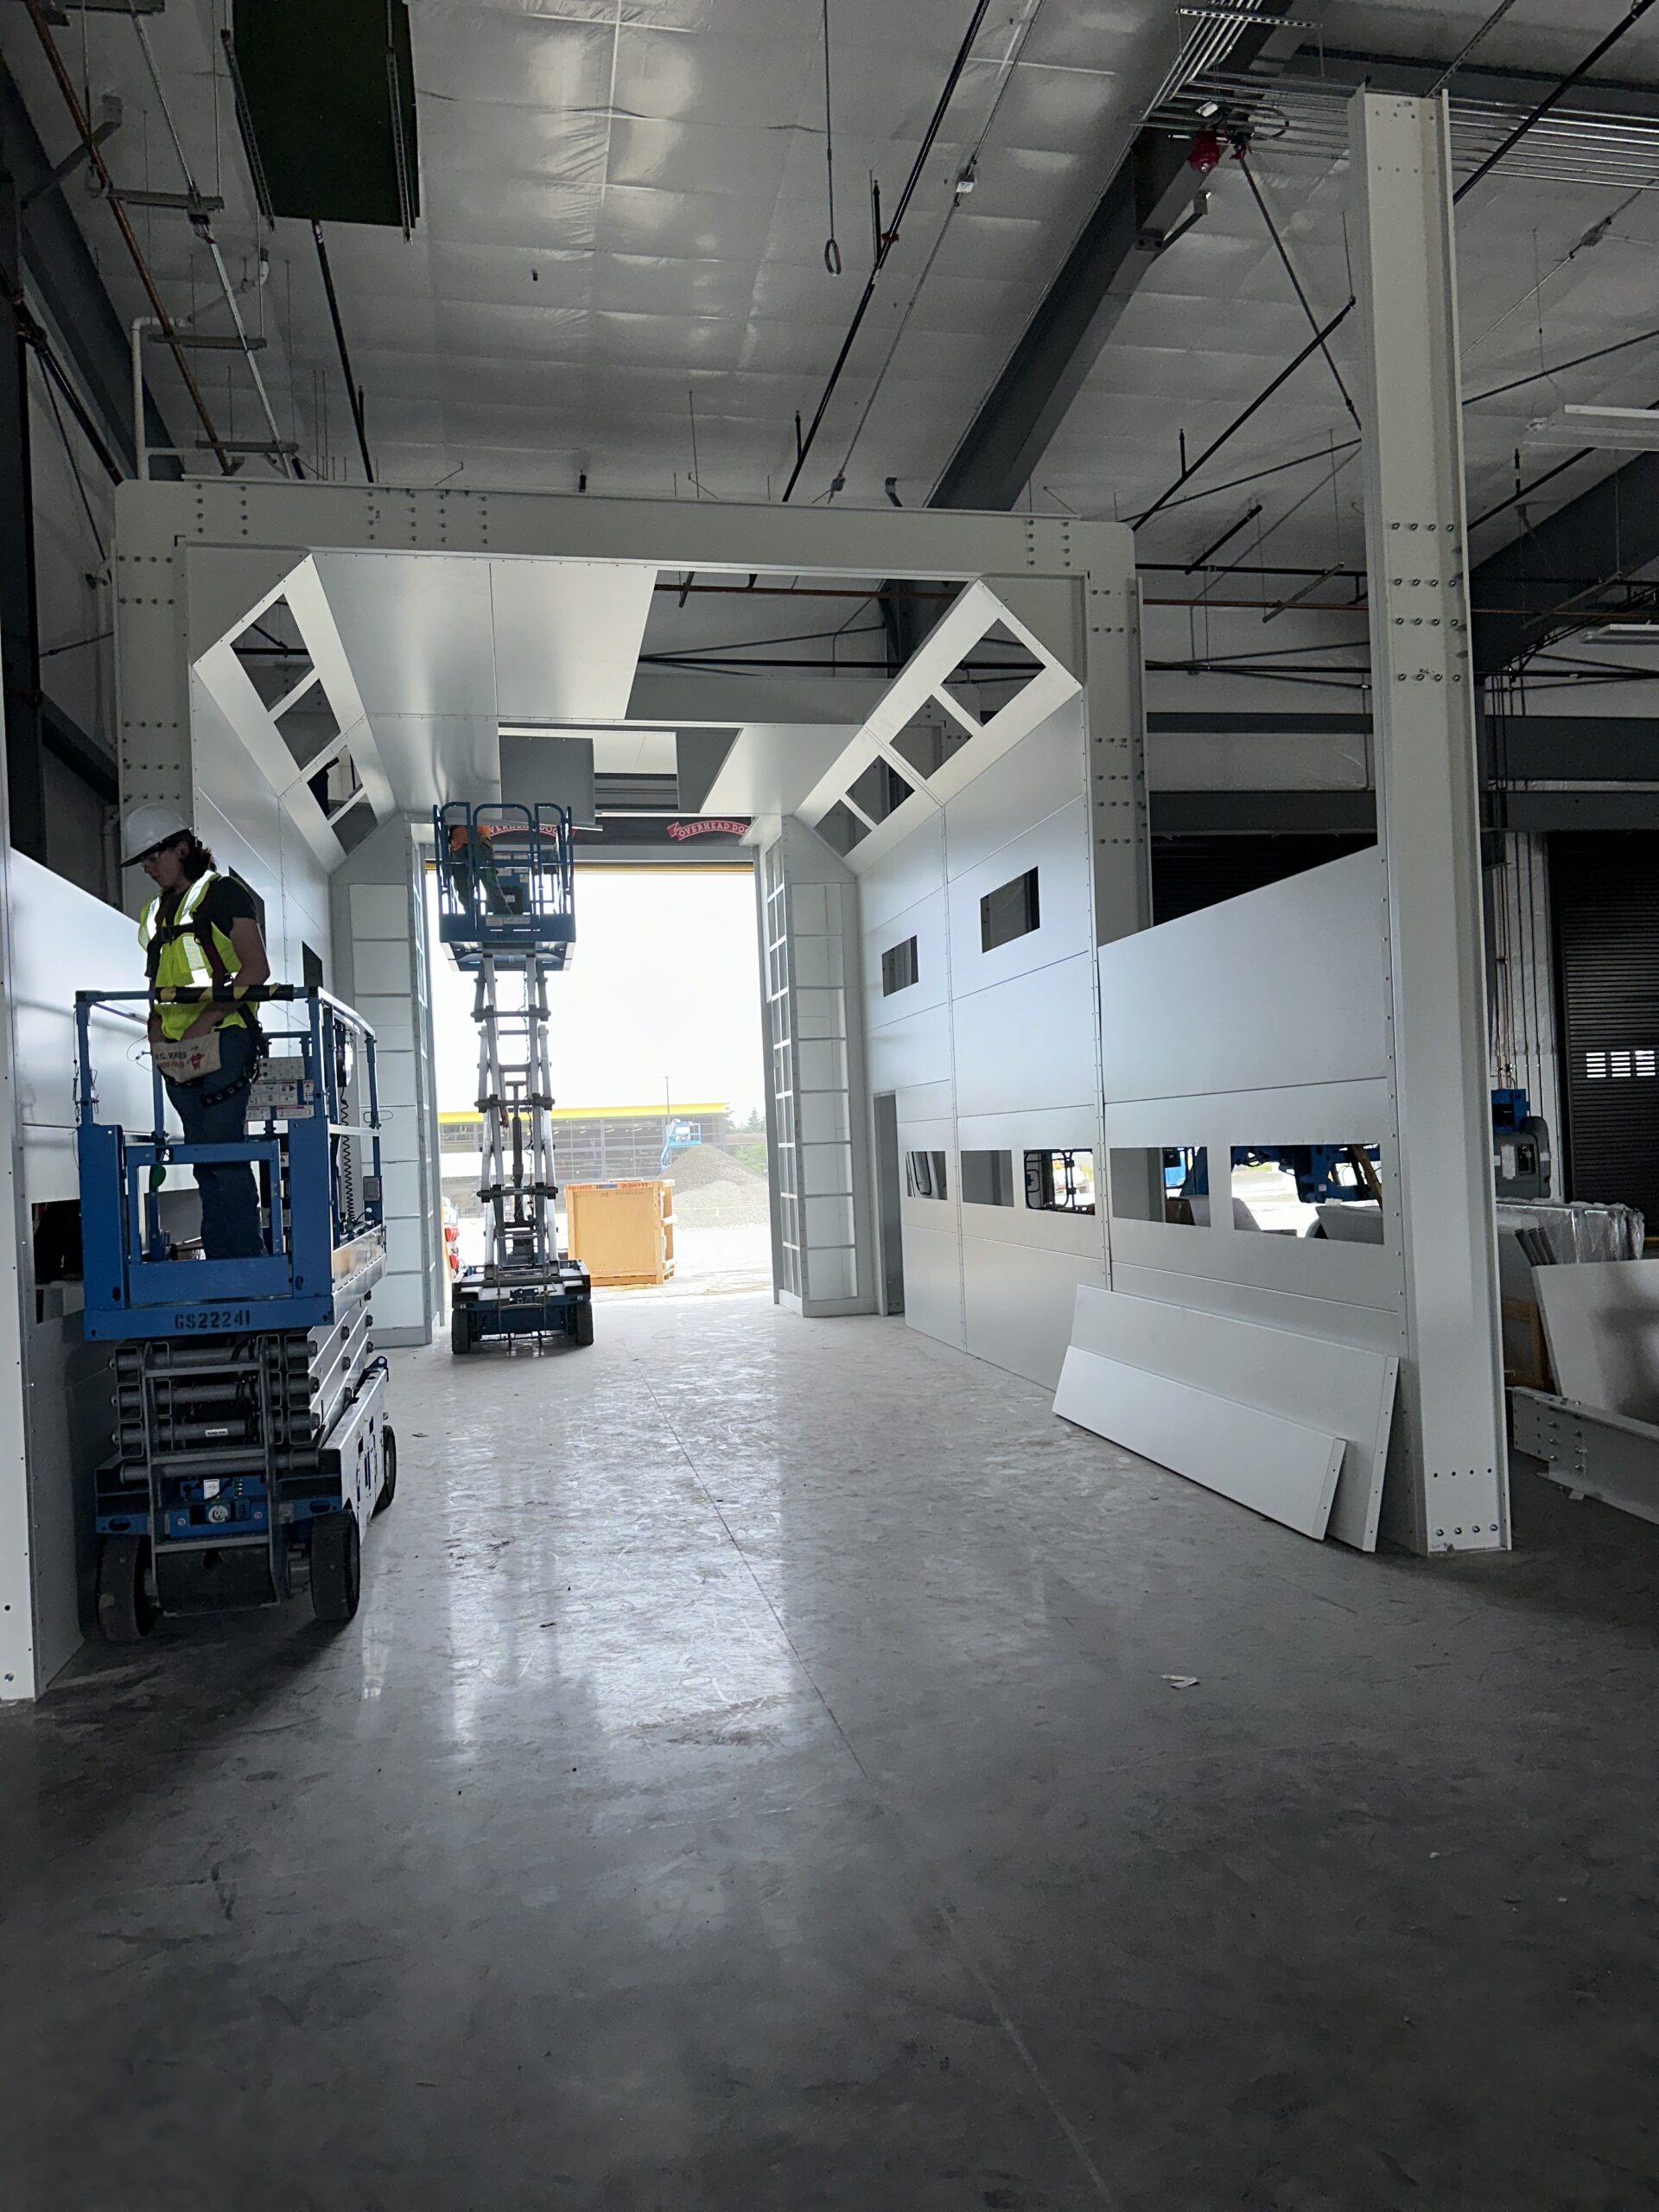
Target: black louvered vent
1604,892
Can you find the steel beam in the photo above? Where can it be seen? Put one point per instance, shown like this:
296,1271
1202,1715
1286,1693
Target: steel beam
1456,1490
1610,530
991,466
1574,748
1253,722
1262,814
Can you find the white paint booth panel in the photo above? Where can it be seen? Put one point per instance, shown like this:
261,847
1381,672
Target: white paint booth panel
1031,781
819,1012
903,876
924,1102
818,960
400,1302
392,1019
828,1221
403,1187
1315,1269
1018,1303
823,1117
1028,1043
933,1282
826,1170
907,1054
820,1065
925,922
1375,1328
380,910
399,1132
381,965
831,1274
1059,850
1278,988
405,1247
63,940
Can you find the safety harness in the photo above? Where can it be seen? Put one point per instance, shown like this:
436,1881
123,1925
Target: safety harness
206,969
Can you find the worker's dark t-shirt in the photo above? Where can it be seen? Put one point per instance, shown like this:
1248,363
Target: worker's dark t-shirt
223,904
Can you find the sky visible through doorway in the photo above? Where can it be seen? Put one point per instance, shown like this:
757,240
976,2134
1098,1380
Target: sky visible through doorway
663,997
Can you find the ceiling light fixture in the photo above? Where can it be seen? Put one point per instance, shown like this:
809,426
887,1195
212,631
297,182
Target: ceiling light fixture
1624,429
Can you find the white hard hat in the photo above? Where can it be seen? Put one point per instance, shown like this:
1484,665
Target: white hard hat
148,828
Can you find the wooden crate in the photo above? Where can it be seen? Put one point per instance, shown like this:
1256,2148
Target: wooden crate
623,1233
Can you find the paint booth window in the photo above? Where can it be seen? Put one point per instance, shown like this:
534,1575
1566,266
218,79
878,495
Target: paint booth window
925,1174
1061,1181
1009,911
1161,1182
1331,1193
899,966
987,1179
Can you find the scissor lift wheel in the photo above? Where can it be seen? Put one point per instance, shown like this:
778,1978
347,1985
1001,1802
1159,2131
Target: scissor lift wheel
388,1489
126,1609
336,1567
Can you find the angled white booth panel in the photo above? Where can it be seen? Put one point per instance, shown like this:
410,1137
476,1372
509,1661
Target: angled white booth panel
913,871
1031,781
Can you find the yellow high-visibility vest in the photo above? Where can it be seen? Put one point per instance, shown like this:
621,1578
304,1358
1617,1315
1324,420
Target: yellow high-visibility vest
181,962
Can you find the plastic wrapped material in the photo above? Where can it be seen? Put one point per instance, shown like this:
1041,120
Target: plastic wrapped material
1558,1235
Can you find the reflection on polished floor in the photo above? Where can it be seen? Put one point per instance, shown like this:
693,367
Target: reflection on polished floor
753,1784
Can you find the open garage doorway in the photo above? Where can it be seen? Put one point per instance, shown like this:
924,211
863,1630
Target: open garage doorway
654,1037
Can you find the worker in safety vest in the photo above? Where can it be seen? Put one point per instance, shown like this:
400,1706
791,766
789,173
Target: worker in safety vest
200,933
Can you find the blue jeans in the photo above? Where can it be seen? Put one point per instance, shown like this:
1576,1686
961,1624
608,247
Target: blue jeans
229,1197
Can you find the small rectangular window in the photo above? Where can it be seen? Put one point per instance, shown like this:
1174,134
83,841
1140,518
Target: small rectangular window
899,966
1061,1182
925,1174
1329,1191
1168,1182
1009,911
987,1179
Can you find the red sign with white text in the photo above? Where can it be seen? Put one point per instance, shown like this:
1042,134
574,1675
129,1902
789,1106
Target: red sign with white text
716,825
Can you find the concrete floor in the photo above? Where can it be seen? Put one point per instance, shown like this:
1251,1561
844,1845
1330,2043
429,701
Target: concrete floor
751,1786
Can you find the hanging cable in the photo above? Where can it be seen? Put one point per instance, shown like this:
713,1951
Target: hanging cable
889,239
831,251
1283,252
353,393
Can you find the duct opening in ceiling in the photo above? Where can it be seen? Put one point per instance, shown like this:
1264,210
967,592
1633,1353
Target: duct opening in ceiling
325,99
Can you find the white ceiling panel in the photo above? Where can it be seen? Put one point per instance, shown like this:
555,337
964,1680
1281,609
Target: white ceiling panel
567,637
417,630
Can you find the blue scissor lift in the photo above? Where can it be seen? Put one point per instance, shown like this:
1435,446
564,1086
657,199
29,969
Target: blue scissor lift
506,911
252,1442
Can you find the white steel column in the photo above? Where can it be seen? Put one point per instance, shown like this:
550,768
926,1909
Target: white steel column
1456,1497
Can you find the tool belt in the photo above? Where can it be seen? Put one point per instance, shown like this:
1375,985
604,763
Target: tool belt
187,1059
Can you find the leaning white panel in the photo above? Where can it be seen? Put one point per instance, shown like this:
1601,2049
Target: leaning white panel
1601,1323
1341,1388
1277,1467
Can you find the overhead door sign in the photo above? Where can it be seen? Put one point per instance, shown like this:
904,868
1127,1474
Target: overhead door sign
714,825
